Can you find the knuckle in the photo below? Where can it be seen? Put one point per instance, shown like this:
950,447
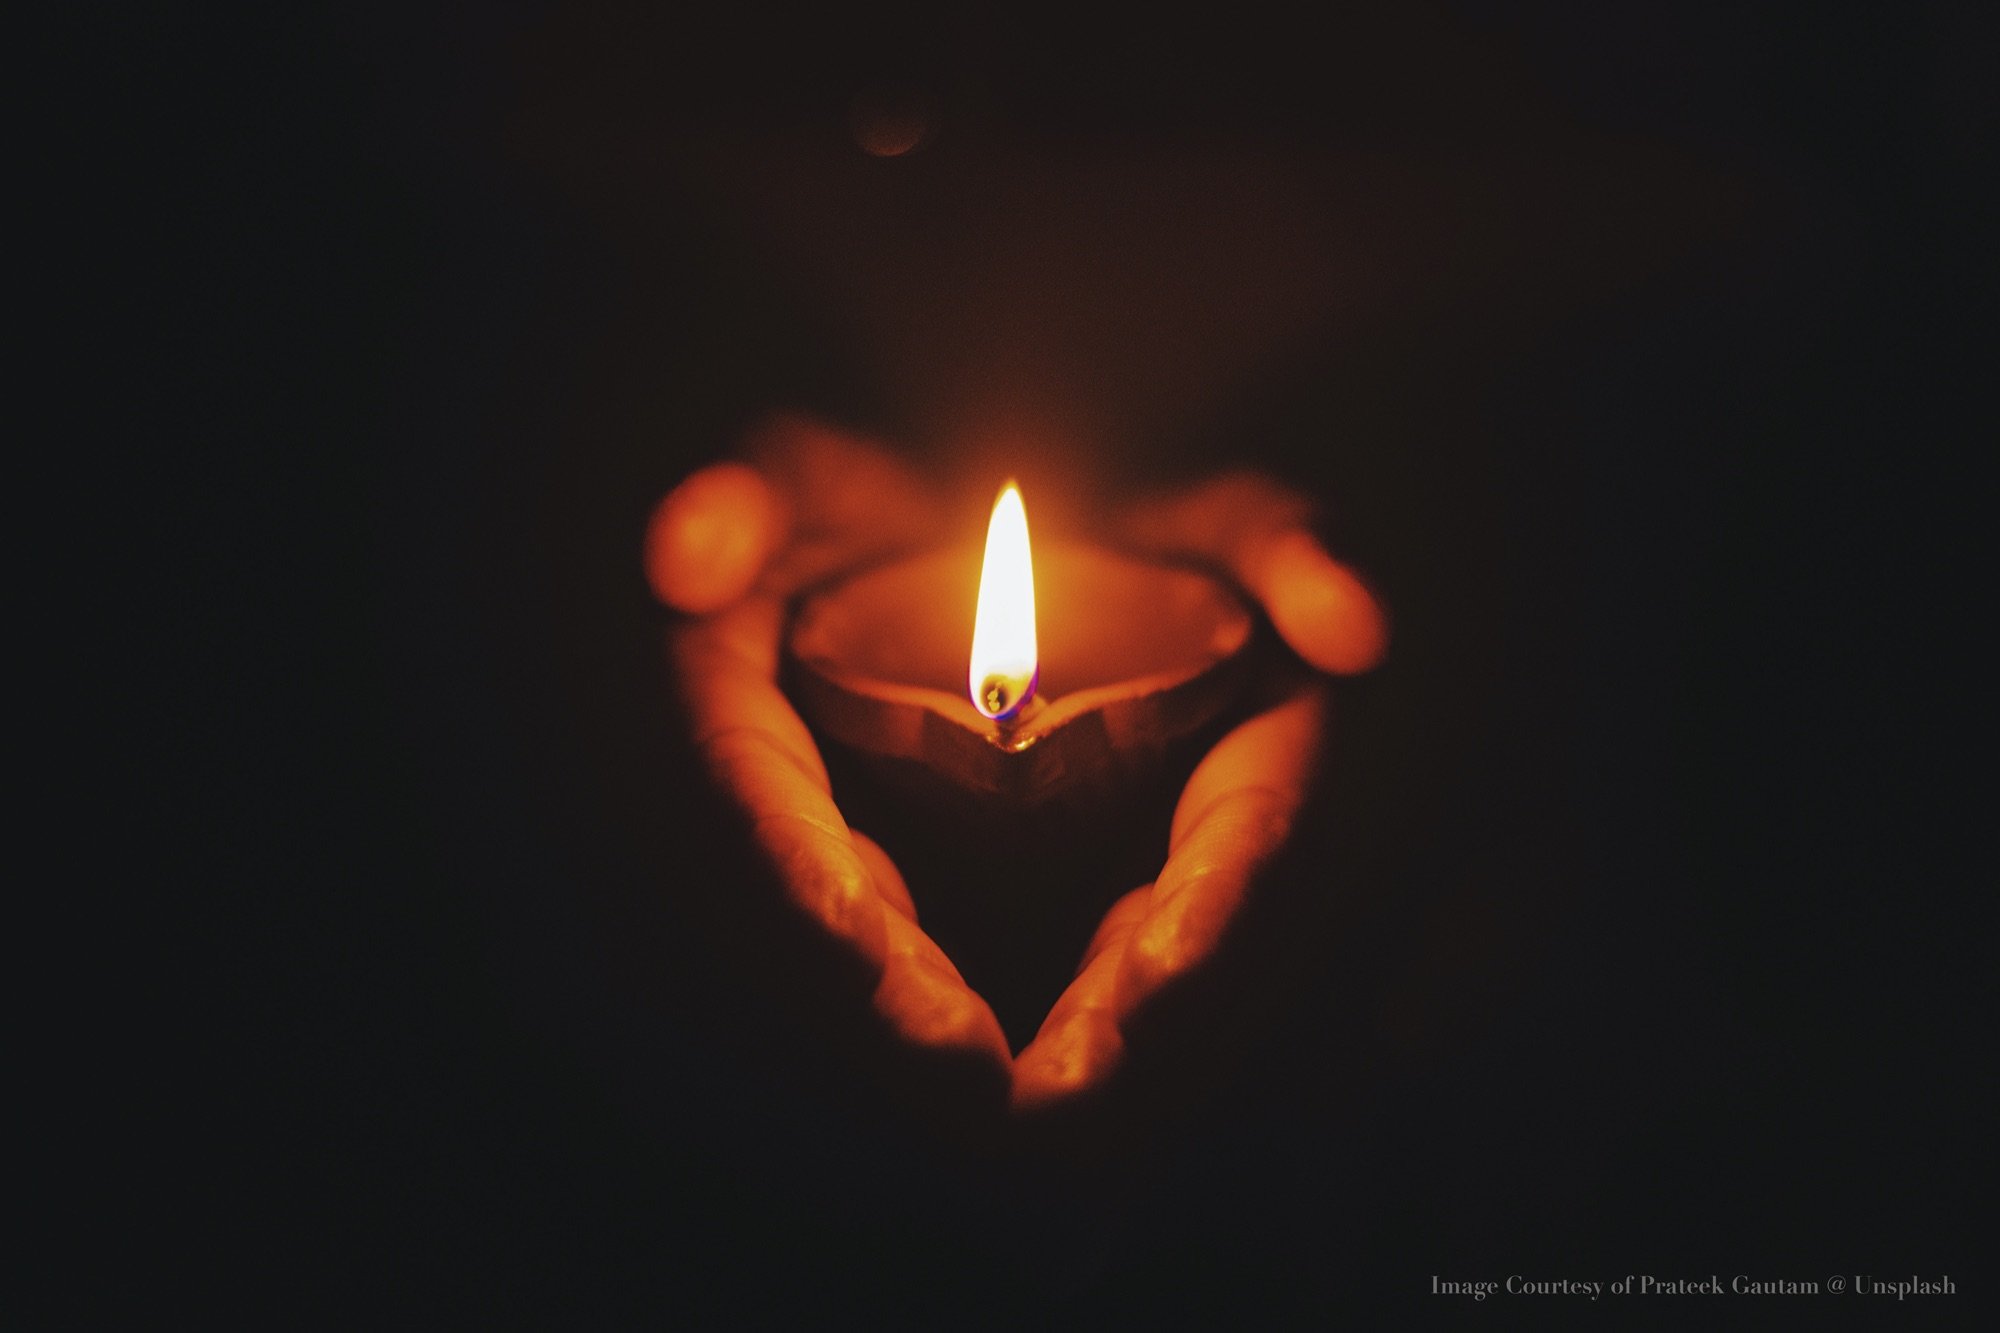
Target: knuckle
1158,952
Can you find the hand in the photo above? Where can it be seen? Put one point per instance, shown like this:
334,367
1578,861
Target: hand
729,546
734,541
1237,809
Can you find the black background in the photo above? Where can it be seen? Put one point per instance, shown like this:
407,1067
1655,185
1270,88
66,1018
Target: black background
1636,944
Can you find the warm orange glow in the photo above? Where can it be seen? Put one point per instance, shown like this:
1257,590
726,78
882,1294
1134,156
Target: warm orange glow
1004,659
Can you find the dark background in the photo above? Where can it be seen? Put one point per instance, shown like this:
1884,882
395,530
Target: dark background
1629,349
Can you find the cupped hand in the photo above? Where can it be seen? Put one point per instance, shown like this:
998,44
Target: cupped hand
733,542
1237,809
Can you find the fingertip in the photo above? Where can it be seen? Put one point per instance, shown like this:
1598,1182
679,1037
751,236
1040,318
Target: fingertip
931,1007
1321,607
1066,1058
710,537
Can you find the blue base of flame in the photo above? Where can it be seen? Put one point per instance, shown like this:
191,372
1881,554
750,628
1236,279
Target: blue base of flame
1027,696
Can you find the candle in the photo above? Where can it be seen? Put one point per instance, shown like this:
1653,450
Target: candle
1016,675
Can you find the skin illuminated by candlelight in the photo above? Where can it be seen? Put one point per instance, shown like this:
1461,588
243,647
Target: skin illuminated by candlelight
733,542
1004,655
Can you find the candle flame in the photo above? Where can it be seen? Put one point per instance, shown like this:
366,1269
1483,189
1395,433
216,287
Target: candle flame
1005,665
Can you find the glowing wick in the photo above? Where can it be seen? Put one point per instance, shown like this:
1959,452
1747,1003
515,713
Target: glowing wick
1005,665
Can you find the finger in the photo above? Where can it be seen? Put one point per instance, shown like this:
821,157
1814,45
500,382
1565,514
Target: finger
809,499
838,481
927,1002
1235,813
1261,532
759,753
849,499
888,879
1276,752
1079,1043
1319,606
1126,913
711,537
726,667
804,839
